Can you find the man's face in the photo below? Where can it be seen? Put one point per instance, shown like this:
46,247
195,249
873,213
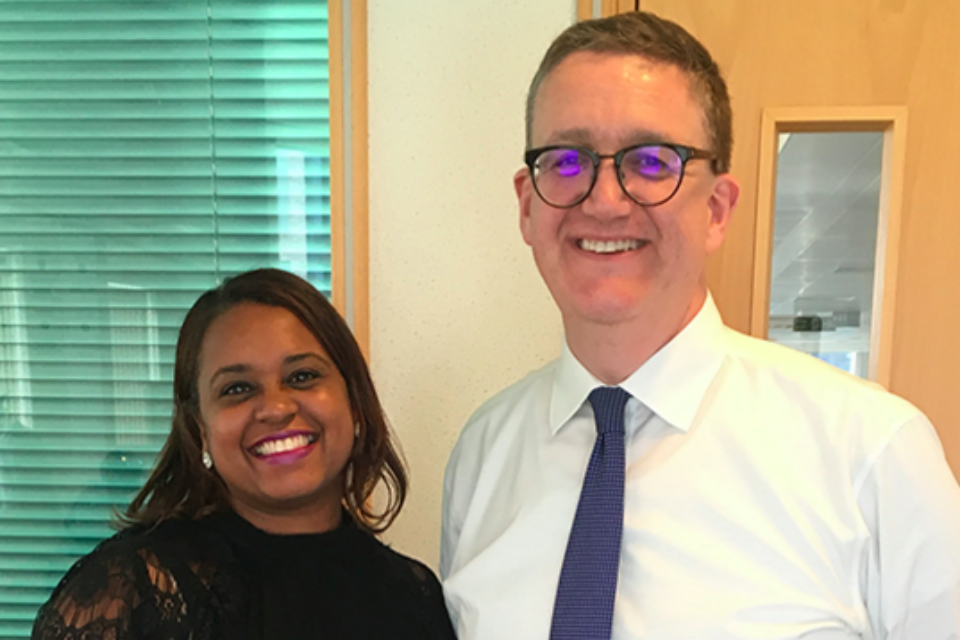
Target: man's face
606,103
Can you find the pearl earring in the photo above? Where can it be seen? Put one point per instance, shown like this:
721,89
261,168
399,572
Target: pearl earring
207,460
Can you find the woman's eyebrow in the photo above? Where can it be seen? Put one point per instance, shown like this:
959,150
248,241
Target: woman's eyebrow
232,368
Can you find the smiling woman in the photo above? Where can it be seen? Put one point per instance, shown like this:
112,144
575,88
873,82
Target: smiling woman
257,520
275,419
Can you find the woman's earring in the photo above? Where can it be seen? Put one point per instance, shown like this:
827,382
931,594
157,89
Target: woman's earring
356,430
207,460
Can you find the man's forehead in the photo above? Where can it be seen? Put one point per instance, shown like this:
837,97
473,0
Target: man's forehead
612,79
633,68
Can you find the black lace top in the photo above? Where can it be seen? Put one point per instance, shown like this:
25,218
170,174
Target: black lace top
221,578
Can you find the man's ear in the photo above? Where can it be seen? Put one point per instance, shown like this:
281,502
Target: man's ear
722,202
523,185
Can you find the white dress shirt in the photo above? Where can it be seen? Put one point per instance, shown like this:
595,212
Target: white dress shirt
768,496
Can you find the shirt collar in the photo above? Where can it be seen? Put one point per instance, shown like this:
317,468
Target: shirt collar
672,383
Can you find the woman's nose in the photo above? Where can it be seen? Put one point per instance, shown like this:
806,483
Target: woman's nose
277,405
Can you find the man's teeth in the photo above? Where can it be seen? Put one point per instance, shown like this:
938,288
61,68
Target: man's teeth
608,246
283,445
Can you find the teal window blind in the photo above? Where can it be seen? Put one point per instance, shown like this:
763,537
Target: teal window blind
148,149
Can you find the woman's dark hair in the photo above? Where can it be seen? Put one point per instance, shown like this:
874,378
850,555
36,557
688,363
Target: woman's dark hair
180,486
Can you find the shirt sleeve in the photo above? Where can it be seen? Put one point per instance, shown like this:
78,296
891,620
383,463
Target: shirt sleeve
459,483
121,591
910,501
449,526
96,599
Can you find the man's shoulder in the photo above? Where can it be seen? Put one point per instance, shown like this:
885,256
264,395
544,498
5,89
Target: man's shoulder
496,411
499,418
803,376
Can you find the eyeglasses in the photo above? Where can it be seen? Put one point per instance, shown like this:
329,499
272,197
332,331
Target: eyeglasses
650,174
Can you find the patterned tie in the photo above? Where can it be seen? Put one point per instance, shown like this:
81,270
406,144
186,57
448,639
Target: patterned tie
588,580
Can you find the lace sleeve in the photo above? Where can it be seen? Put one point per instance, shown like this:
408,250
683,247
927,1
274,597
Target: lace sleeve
118,592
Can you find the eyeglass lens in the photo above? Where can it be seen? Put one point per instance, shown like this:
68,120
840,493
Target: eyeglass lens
649,174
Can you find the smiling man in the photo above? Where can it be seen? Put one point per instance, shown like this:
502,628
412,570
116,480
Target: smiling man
668,477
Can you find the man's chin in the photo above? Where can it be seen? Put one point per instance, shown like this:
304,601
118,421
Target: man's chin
606,309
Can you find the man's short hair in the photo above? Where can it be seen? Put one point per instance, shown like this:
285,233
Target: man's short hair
646,35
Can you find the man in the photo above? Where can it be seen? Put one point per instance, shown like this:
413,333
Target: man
756,492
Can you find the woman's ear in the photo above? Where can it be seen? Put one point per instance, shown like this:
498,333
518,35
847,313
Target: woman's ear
193,416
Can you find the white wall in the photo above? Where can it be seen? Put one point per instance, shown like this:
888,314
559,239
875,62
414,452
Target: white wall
457,308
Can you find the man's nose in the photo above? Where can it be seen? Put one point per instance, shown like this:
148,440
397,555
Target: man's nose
607,198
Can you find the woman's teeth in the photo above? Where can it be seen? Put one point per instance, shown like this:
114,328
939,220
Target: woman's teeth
283,445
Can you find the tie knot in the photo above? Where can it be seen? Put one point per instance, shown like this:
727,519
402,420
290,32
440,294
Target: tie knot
608,405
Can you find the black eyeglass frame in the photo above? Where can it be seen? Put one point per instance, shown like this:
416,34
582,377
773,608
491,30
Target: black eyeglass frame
686,154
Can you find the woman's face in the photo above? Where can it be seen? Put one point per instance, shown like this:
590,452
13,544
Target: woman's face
275,417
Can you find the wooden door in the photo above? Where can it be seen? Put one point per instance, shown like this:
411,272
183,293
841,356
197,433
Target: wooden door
855,53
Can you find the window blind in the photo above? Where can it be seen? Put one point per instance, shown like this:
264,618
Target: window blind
148,149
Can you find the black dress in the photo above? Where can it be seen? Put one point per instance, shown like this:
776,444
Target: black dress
222,578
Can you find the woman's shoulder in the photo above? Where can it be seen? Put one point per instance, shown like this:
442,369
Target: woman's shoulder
403,565
135,549
414,590
139,540
117,562
131,579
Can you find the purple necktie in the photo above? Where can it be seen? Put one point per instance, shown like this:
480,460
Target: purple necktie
583,609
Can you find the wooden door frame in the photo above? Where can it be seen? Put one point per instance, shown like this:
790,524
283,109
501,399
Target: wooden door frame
892,122
587,9
349,198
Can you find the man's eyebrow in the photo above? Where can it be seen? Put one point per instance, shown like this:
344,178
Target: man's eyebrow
645,136
579,137
583,137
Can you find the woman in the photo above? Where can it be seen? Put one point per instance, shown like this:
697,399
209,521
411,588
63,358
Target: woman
258,520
